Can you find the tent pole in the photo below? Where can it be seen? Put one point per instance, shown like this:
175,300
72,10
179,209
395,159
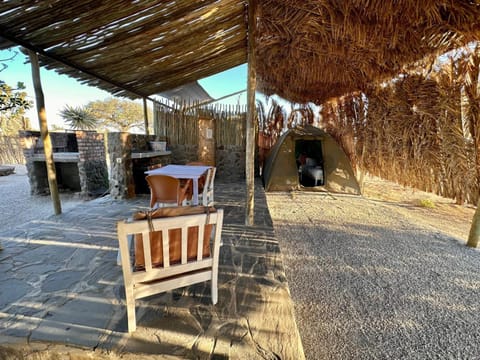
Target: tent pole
47,143
250,126
145,115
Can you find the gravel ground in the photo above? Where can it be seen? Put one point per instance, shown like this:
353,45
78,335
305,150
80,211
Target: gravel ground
378,277
17,206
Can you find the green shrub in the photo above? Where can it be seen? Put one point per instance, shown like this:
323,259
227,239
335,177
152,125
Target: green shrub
426,203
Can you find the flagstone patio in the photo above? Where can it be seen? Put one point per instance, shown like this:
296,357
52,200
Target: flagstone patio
60,284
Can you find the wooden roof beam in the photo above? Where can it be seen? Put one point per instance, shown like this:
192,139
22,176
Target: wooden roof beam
13,39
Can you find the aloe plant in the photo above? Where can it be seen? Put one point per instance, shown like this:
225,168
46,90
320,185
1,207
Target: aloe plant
78,118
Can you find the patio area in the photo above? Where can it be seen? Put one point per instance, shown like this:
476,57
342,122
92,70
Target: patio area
60,284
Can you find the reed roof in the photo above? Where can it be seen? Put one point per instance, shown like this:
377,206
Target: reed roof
308,50
311,50
130,48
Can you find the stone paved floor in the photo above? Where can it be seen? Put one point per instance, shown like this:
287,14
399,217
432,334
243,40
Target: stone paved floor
59,283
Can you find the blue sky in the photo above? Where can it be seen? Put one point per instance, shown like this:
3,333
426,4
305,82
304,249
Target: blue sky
60,90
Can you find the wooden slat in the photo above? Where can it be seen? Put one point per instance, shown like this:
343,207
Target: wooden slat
159,273
142,291
147,252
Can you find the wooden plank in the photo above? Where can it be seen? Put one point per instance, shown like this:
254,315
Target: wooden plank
145,115
250,128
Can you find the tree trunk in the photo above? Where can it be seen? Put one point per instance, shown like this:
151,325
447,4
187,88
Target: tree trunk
47,144
474,229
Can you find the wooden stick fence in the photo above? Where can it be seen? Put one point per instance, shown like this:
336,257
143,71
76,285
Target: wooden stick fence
180,126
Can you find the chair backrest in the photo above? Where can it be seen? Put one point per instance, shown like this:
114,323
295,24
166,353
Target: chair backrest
208,189
164,190
188,256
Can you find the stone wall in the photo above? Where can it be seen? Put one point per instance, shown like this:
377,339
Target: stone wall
92,165
182,154
105,162
140,142
230,162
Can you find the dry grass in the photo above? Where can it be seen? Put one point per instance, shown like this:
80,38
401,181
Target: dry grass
445,215
421,130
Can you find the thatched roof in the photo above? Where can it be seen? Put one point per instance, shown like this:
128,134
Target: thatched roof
311,50
307,50
130,48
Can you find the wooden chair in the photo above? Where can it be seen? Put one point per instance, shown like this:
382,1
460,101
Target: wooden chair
201,179
206,195
171,251
167,190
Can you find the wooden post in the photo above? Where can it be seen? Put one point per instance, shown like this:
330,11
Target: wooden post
47,143
250,128
145,115
475,229
473,91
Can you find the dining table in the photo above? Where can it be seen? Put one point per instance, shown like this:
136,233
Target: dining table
193,172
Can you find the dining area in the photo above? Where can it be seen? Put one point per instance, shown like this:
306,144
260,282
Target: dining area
177,185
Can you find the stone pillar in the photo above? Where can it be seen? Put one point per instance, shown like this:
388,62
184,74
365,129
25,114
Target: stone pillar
206,141
28,140
119,150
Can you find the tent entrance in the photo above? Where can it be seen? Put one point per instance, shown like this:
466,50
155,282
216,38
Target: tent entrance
310,162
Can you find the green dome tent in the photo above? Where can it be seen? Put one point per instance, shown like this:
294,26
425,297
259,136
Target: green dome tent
306,158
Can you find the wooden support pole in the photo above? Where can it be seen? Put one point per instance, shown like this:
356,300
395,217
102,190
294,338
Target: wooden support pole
474,234
145,115
250,128
47,143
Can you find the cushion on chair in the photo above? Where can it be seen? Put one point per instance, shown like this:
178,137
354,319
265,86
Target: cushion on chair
175,236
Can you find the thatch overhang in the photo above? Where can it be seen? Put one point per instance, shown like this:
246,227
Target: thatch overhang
308,50
129,48
312,50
